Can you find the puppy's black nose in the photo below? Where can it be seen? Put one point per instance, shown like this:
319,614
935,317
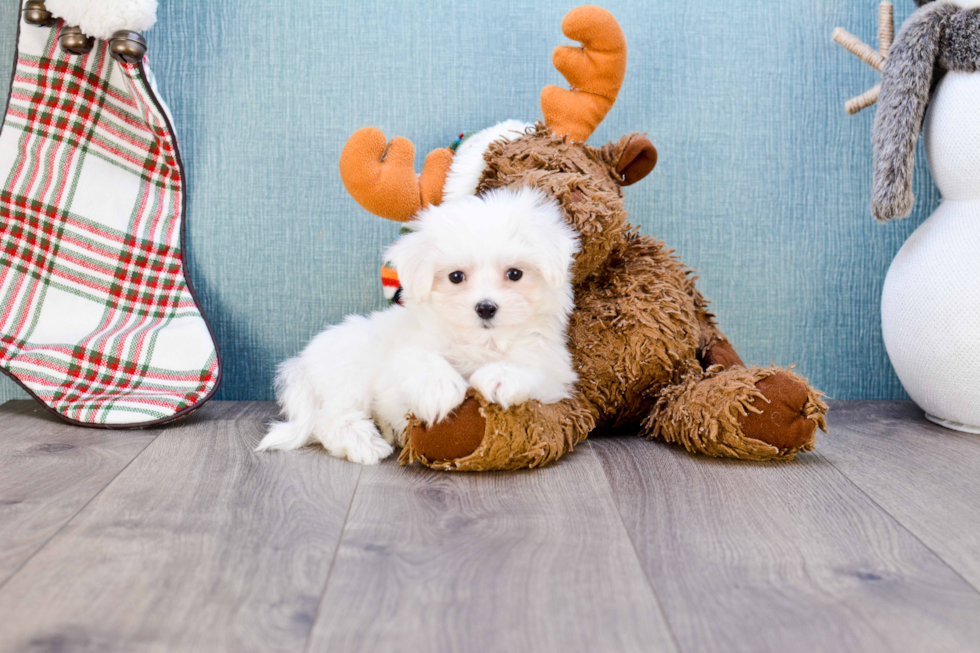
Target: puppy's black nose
486,309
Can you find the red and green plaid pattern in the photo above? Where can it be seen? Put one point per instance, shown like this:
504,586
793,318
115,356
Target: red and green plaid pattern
96,318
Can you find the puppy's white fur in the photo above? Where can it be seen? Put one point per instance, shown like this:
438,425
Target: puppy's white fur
420,358
101,18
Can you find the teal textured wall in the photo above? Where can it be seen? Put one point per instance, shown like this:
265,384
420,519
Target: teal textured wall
763,181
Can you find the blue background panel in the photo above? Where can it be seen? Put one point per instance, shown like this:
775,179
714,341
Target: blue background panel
763,183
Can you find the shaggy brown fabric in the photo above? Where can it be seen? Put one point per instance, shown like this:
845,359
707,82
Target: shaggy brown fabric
646,349
529,435
705,411
581,178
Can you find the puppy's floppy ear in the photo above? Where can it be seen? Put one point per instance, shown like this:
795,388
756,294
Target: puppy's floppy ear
555,243
411,255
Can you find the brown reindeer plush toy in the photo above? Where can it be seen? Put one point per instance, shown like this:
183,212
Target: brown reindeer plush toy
647,351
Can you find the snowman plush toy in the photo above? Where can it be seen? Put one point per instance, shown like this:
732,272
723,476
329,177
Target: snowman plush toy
930,306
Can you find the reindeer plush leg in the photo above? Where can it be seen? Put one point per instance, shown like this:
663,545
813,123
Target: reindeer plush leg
731,411
481,436
727,410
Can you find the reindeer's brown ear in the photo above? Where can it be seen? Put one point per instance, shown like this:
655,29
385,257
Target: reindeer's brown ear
638,159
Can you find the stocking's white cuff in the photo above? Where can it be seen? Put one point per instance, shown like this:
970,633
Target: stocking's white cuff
100,18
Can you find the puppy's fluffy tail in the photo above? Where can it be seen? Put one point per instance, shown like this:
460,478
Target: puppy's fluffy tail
299,403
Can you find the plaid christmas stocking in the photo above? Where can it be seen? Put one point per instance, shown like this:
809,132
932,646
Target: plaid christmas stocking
97,320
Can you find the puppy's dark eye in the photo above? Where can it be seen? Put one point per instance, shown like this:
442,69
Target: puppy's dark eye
514,274
457,276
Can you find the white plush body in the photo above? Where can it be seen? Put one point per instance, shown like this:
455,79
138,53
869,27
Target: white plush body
101,18
930,306
354,386
468,162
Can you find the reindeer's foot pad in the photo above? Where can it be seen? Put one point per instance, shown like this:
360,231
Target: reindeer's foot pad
748,413
482,436
783,415
457,436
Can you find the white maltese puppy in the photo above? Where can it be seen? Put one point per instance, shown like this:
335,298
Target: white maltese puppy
487,293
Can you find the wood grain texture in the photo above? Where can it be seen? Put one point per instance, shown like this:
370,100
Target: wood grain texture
199,545
924,475
48,472
527,561
782,557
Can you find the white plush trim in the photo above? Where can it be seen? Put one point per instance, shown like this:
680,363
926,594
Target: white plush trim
468,164
100,18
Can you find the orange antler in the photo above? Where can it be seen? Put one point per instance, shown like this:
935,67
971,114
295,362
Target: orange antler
381,176
595,72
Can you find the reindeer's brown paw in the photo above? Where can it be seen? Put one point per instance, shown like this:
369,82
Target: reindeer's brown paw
784,421
457,436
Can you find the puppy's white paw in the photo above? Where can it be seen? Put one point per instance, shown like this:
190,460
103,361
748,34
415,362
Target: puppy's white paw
502,384
437,394
357,441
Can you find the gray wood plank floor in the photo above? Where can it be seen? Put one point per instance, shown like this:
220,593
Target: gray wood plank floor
182,539
48,472
926,476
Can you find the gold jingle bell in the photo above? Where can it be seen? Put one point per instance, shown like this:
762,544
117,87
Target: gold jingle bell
127,47
74,41
35,13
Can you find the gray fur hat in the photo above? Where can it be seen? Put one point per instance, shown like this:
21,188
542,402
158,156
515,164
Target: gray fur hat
938,37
